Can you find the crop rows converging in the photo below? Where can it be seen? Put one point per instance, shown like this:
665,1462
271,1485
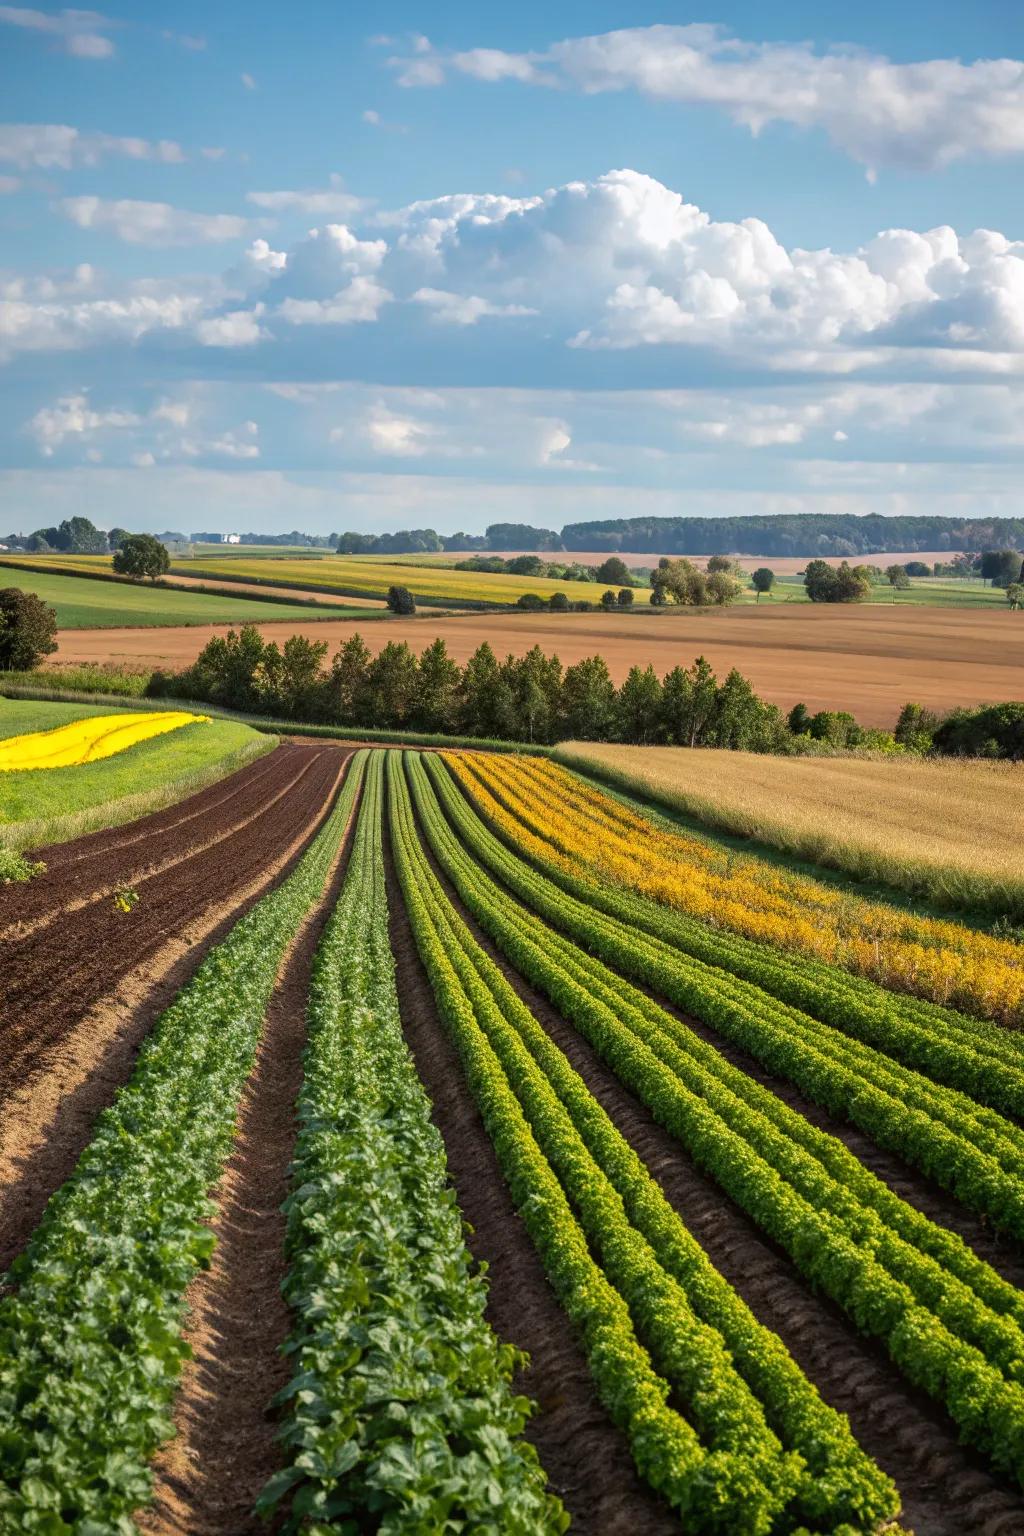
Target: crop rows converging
587,978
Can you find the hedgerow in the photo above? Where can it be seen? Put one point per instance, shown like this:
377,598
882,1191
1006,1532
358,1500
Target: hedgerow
400,1410
90,1329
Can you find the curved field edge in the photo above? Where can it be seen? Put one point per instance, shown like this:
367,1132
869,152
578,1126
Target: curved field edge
864,849
401,1405
42,807
91,1318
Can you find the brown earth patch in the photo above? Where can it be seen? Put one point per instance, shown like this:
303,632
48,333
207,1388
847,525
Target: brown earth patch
56,974
49,1118
866,658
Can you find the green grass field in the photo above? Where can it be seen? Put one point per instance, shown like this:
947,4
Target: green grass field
933,592
84,604
48,805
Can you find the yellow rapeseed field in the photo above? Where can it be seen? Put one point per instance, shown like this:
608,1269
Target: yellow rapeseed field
85,741
949,829
549,812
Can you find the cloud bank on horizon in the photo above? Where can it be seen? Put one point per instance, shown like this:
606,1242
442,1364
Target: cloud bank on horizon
189,319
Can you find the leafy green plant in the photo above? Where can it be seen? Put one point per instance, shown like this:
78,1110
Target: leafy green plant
15,868
90,1325
400,1412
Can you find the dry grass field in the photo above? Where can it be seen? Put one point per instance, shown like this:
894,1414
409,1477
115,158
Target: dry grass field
870,660
949,830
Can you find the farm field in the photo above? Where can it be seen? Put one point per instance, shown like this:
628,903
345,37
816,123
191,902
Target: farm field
869,660
947,829
38,807
757,1219
359,575
83,604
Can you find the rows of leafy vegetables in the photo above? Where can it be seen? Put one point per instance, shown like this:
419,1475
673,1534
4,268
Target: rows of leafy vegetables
745,1445
979,1057
400,1415
90,1327
953,1326
972,1151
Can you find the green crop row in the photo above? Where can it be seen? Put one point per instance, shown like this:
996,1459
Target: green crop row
836,1484
90,1329
981,1058
970,1150
739,1478
948,1321
400,1414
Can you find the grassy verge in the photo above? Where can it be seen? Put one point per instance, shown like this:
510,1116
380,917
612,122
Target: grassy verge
947,833
55,804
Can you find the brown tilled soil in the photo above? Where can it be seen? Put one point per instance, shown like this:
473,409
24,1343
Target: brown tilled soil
946,1490
76,947
585,1456
866,658
208,1477
66,1058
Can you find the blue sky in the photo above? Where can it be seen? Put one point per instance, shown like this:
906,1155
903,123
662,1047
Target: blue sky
455,264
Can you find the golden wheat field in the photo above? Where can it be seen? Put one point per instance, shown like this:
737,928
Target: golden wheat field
949,829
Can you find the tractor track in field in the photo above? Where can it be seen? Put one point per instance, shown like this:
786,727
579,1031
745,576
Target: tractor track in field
584,1455
56,974
207,1478
946,1489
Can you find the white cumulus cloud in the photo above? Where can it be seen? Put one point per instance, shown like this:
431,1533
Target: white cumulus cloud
925,113
56,146
158,224
80,33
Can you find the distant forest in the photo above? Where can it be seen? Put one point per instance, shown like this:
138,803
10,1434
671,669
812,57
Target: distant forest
804,534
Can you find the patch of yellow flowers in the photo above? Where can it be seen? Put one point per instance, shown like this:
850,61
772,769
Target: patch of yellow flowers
550,813
85,741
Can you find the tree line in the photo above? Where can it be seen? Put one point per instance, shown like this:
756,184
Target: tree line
530,698
793,534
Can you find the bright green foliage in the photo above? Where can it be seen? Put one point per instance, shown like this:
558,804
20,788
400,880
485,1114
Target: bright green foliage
400,1414
972,1151
556,1144
90,1334
948,1320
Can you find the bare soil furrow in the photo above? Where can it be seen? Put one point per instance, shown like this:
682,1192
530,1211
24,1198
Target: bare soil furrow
51,980
48,1120
152,858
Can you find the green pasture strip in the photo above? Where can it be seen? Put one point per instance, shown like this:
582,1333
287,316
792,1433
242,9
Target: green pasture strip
830,1479
401,1409
81,602
90,1329
951,1324
982,1059
50,805
97,572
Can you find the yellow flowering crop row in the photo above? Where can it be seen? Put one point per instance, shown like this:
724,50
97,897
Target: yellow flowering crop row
84,741
550,813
